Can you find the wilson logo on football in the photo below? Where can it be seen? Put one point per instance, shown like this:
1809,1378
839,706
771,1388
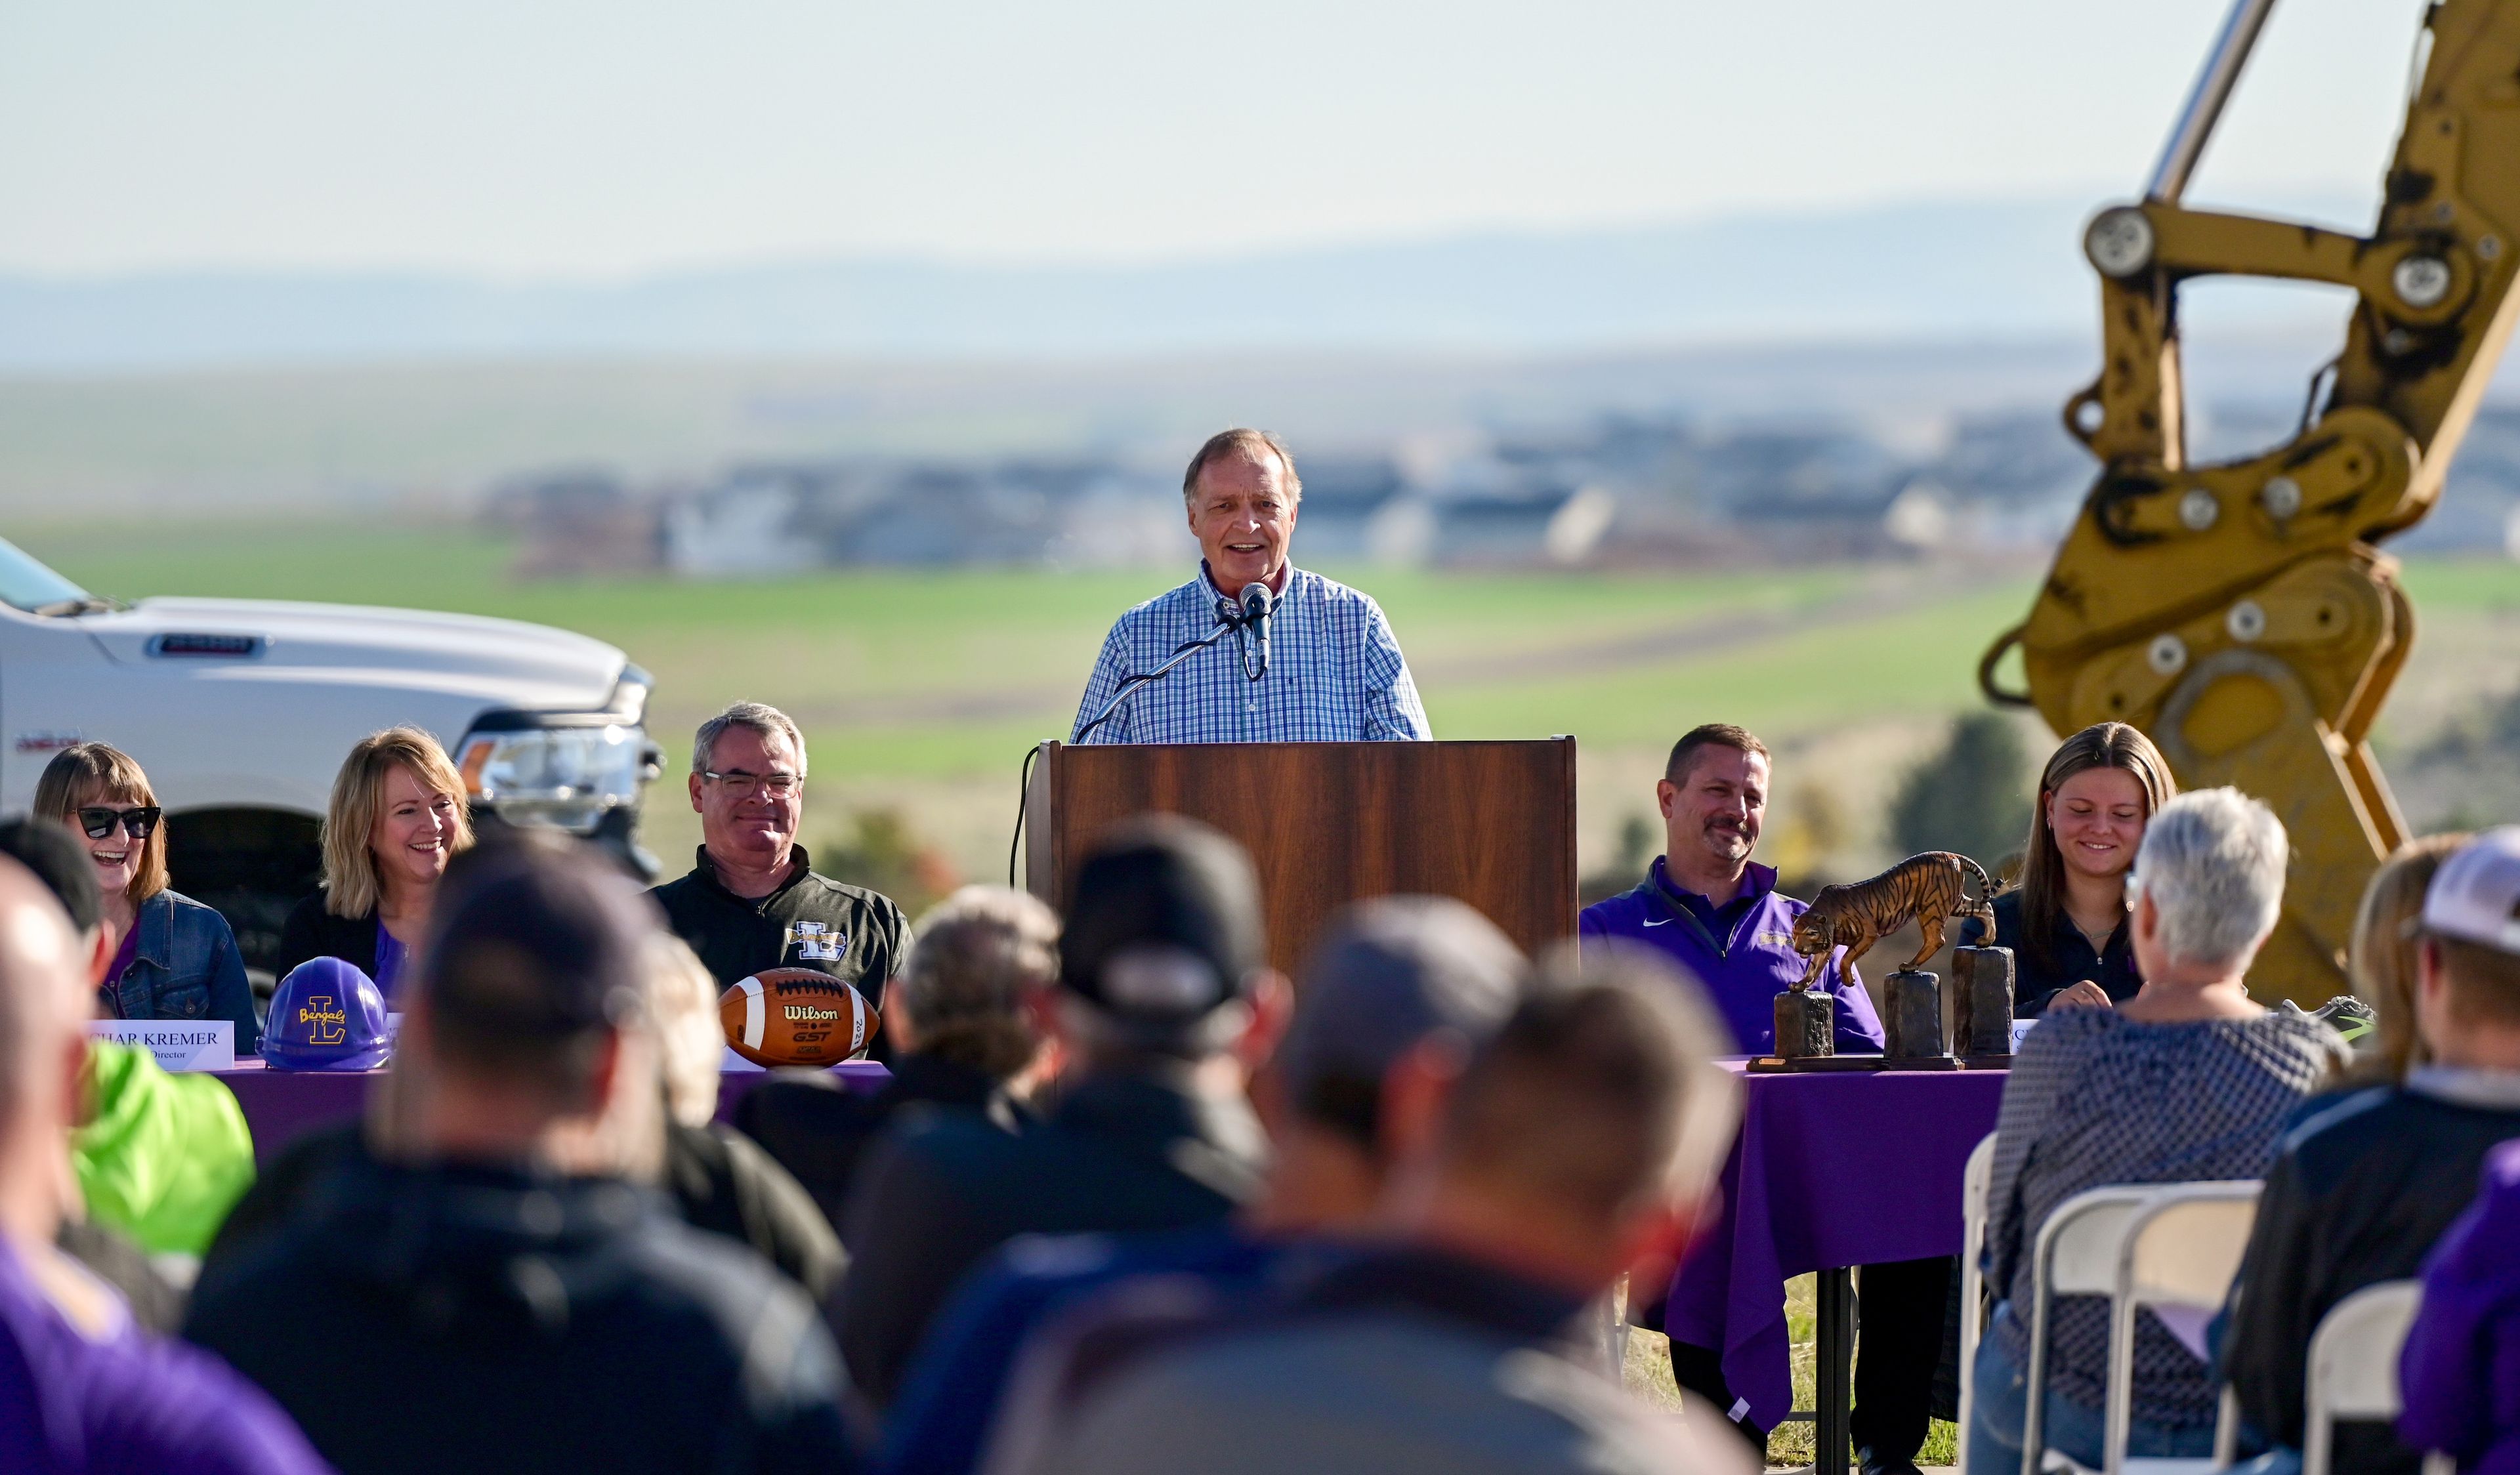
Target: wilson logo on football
797,1016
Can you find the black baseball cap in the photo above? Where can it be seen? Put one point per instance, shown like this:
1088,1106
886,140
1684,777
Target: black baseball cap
1163,928
1392,973
538,939
60,863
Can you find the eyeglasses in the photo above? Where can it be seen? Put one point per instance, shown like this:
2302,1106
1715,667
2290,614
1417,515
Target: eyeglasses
745,785
99,822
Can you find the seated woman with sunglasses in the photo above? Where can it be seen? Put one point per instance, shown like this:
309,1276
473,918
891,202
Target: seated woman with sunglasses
176,959
397,816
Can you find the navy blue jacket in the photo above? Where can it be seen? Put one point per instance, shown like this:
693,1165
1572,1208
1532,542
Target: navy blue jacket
939,1424
184,966
1745,969
942,1188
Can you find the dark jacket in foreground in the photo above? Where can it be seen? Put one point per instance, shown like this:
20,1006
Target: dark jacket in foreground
722,1183
943,1189
1401,1360
820,1130
480,1319
2361,1191
714,1182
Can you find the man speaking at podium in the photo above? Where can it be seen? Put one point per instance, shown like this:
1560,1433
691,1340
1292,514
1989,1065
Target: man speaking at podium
1253,649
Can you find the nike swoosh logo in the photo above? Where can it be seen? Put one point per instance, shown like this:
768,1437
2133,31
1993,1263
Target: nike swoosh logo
1665,922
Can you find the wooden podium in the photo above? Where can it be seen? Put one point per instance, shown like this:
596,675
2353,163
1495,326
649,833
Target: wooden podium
1331,822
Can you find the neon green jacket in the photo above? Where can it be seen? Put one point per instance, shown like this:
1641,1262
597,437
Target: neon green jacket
162,1158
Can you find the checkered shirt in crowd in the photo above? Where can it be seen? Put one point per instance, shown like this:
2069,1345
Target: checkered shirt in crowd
2096,1098
1336,673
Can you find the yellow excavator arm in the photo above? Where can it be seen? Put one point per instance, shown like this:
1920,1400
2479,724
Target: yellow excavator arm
2241,614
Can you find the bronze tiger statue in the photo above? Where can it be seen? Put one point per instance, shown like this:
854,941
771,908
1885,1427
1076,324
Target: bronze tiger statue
1929,888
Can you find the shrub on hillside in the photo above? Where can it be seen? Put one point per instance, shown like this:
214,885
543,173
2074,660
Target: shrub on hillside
1972,796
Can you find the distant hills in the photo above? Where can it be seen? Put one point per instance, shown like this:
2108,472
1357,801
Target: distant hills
1942,272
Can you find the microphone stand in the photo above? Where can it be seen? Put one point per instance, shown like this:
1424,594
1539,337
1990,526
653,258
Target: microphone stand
1226,624
1229,620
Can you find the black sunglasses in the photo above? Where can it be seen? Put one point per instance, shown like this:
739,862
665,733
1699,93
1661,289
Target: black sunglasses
99,822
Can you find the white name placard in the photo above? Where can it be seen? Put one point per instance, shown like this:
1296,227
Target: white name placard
178,1043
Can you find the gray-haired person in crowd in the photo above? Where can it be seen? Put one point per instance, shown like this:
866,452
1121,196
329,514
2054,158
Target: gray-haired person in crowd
963,1037
2189,1080
1580,1142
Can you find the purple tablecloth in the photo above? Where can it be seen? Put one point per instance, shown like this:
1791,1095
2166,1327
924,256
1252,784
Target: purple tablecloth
280,1104
1831,1169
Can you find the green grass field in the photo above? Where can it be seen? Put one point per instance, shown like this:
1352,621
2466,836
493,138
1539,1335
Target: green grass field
921,690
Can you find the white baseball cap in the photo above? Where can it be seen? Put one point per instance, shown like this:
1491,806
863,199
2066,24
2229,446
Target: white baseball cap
2475,896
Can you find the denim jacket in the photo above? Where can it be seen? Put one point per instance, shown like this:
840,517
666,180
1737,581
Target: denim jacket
184,966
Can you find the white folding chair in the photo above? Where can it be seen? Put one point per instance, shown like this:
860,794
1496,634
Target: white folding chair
2182,1249
2085,1249
2354,1368
2076,1254
1975,1181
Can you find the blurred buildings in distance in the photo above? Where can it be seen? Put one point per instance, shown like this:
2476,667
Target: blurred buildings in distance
1614,491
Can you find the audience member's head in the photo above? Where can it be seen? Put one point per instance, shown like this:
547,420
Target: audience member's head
2207,887
399,814
1163,956
2101,789
747,785
966,994
44,1008
2468,991
1584,1137
99,793
682,999
2382,957
1714,800
57,859
529,1032
1394,1000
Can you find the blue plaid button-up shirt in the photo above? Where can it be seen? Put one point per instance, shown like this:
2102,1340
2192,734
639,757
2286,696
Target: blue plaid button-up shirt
1336,673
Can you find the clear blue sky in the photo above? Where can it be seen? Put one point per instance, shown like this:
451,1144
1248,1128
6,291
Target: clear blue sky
576,139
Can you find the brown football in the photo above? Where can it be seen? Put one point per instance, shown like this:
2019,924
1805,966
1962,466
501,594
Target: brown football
795,1016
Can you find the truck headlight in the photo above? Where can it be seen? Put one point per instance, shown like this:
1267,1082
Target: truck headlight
565,776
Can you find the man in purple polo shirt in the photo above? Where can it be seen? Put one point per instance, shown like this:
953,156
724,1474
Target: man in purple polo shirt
1717,914
1704,904
80,1388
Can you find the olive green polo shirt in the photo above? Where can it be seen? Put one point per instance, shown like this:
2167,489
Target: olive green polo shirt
811,921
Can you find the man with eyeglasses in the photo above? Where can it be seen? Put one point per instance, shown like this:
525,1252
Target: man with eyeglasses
754,900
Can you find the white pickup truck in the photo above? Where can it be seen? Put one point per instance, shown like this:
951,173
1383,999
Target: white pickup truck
240,711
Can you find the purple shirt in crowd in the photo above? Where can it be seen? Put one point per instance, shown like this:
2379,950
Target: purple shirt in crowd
2462,1367
1741,950
71,1403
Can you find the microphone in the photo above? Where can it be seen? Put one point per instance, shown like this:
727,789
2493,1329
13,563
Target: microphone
1257,607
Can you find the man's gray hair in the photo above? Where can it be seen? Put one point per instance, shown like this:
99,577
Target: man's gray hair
976,957
2213,864
1242,440
753,716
